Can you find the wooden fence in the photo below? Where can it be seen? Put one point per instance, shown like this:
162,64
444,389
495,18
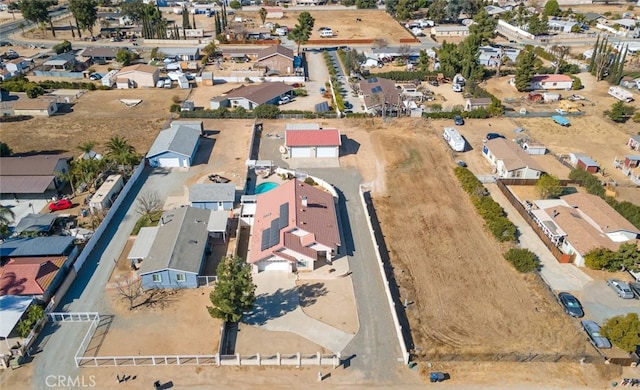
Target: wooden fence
515,202
331,41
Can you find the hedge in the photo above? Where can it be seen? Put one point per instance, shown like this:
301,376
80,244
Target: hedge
523,260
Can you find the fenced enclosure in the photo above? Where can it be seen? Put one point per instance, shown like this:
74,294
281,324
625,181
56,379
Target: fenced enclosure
206,281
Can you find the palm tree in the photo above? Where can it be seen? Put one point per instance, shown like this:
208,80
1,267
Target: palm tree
121,152
263,15
6,217
87,148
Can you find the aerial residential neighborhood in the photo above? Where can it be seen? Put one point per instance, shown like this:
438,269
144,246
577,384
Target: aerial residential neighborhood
260,194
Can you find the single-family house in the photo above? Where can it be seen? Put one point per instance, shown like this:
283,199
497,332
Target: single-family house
16,66
578,223
183,53
581,160
61,62
39,246
295,228
562,26
276,58
176,257
471,104
377,91
491,56
35,276
551,81
101,54
321,143
390,53
628,26
254,95
634,142
245,54
592,16
176,146
34,175
509,160
40,106
36,224
213,196
449,31
138,76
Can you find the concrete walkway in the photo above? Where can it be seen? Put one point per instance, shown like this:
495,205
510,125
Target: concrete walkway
278,308
561,277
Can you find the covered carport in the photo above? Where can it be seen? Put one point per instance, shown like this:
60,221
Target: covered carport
218,223
12,308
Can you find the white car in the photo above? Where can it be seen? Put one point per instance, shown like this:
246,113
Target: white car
284,100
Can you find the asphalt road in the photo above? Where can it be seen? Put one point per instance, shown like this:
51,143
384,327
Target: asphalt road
59,342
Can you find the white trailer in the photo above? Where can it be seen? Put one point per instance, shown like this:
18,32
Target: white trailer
621,94
106,194
454,139
550,97
110,78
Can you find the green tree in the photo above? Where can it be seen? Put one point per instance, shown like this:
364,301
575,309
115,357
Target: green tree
211,50
121,152
185,21
366,4
599,258
623,331
124,57
85,13
86,147
538,26
234,293
548,187
37,11
449,57
5,150
620,112
267,111
423,61
525,68
523,260
263,14
628,256
437,10
469,66
405,9
62,47
84,171
235,4
559,54
6,217
301,33
484,27
551,8
391,6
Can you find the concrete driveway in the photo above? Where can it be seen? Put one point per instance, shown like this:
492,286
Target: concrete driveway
600,302
278,308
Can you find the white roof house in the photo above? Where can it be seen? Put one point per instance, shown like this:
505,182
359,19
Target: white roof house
176,146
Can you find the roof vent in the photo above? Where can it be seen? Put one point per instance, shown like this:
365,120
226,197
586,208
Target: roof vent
305,202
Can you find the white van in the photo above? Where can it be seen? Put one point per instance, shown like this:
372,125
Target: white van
327,33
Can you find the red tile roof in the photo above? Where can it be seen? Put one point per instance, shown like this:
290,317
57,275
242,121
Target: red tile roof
306,226
29,275
324,137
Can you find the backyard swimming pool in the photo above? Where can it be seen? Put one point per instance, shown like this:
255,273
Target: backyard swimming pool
265,187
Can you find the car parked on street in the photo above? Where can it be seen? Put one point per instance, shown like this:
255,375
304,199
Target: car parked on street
62,204
571,305
593,331
621,288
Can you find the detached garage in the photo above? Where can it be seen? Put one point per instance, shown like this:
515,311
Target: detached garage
176,146
275,265
321,143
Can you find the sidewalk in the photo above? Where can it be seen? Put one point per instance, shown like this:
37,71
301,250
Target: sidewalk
559,276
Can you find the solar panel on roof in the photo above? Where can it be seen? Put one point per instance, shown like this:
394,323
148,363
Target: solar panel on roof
373,80
264,243
376,89
284,215
274,231
322,107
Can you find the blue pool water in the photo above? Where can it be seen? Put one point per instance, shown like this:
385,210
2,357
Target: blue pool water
264,187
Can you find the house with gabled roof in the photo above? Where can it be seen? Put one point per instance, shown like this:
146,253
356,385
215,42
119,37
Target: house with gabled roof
176,257
319,143
39,246
377,91
251,96
176,146
34,175
213,196
579,223
138,76
276,58
295,228
101,54
510,160
40,106
35,276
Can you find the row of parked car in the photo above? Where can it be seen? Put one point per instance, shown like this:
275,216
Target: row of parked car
573,308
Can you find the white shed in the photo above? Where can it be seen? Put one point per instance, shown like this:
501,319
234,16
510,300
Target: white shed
533,148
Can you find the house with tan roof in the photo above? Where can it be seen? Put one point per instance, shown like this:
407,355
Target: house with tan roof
33,175
510,160
276,58
252,96
579,223
378,92
138,76
295,228
40,106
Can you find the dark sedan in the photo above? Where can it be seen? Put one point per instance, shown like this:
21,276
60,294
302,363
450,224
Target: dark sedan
571,305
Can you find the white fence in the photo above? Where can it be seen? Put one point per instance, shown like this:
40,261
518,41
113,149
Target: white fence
385,281
86,251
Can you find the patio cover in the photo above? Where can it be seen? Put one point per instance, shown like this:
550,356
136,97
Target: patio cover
218,221
143,243
40,223
12,307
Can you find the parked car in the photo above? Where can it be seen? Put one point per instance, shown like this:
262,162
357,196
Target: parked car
458,120
491,136
348,105
461,163
284,100
635,287
94,76
621,288
593,331
571,305
433,82
62,204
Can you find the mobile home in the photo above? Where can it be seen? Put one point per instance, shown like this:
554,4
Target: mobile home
454,139
110,78
104,197
621,94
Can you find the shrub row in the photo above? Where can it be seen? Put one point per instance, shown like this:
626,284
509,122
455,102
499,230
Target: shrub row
35,89
492,213
523,260
269,112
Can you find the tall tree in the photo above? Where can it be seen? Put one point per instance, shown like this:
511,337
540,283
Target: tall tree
449,57
185,19
423,61
592,61
469,66
121,152
85,13
548,187
551,8
301,33
5,150
211,50
405,9
538,25
37,11
559,53
437,11
86,148
263,14
484,27
525,68
391,6
234,293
